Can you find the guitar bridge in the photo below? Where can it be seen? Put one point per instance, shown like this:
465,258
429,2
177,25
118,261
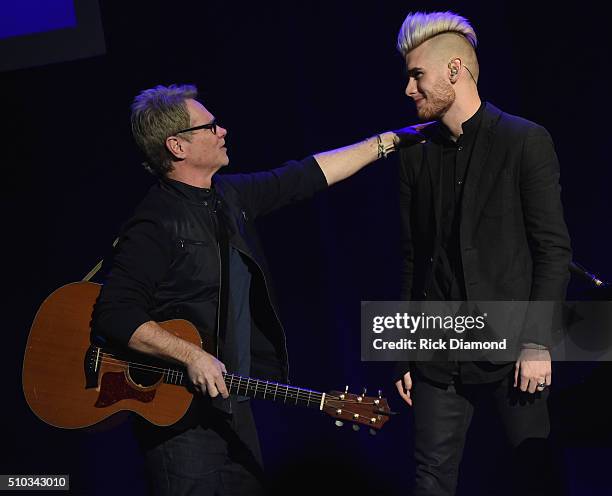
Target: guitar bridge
91,366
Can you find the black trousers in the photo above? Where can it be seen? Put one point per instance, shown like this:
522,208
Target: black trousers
442,415
219,456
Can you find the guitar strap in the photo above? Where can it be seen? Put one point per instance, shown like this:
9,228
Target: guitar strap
98,266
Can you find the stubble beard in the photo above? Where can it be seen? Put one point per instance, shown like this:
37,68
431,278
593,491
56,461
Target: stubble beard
437,102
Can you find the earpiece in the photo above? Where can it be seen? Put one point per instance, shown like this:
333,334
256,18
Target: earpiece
453,73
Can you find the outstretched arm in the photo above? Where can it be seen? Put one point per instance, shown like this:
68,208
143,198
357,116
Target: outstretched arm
344,162
263,192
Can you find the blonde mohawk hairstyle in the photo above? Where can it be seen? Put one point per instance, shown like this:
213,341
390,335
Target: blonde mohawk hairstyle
419,27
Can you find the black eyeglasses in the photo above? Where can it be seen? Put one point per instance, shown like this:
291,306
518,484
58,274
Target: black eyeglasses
211,125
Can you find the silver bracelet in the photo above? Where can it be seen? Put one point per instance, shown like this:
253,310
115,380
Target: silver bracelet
383,152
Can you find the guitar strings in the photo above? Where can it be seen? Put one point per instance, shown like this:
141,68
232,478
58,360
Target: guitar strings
177,373
253,385
149,367
180,375
256,387
258,382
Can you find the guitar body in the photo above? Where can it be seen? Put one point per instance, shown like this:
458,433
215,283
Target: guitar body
68,383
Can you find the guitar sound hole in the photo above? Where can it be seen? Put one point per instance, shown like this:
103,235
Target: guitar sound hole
143,378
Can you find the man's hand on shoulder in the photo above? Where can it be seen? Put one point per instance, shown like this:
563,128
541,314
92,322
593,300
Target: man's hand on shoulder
411,135
341,163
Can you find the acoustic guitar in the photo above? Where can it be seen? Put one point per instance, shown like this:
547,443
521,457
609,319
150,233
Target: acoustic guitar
70,383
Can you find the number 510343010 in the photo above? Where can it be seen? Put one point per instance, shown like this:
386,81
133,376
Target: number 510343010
52,482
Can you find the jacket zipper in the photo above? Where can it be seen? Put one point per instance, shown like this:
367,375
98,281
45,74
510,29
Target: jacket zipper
215,223
271,305
183,242
218,301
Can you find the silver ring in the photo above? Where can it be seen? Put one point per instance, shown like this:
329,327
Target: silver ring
541,385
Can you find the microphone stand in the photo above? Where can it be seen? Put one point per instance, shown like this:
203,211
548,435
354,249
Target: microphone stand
579,270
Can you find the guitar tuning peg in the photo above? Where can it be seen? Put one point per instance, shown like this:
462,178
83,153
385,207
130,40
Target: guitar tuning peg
343,395
365,390
339,423
379,394
355,427
372,432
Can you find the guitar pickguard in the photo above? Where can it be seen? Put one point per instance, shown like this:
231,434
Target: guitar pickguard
114,388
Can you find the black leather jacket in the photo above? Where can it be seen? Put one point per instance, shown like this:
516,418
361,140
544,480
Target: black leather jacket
167,264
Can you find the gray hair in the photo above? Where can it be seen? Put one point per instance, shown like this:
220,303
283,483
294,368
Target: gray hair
156,114
419,27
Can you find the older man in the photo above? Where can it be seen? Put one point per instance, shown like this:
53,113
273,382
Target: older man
191,251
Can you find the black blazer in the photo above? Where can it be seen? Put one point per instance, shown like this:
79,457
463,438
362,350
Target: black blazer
513,239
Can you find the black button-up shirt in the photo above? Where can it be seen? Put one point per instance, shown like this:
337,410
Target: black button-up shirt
448,281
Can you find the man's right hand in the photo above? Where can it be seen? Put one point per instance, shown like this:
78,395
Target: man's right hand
404,387
206,374
411,135
203,369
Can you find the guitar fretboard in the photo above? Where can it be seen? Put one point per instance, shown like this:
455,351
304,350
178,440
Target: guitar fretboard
267,390
258,388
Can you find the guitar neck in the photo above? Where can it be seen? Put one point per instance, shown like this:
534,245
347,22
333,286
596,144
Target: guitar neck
258,388
267,390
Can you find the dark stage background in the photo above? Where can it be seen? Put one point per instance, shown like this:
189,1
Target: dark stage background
289,79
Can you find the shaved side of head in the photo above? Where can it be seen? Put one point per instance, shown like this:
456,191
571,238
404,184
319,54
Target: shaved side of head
448,46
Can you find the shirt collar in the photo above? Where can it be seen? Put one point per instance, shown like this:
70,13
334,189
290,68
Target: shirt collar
190,192
469,127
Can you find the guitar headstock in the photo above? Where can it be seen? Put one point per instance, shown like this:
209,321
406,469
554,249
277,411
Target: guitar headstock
370,411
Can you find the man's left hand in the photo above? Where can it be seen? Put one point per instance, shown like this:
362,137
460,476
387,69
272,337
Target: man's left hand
533,368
